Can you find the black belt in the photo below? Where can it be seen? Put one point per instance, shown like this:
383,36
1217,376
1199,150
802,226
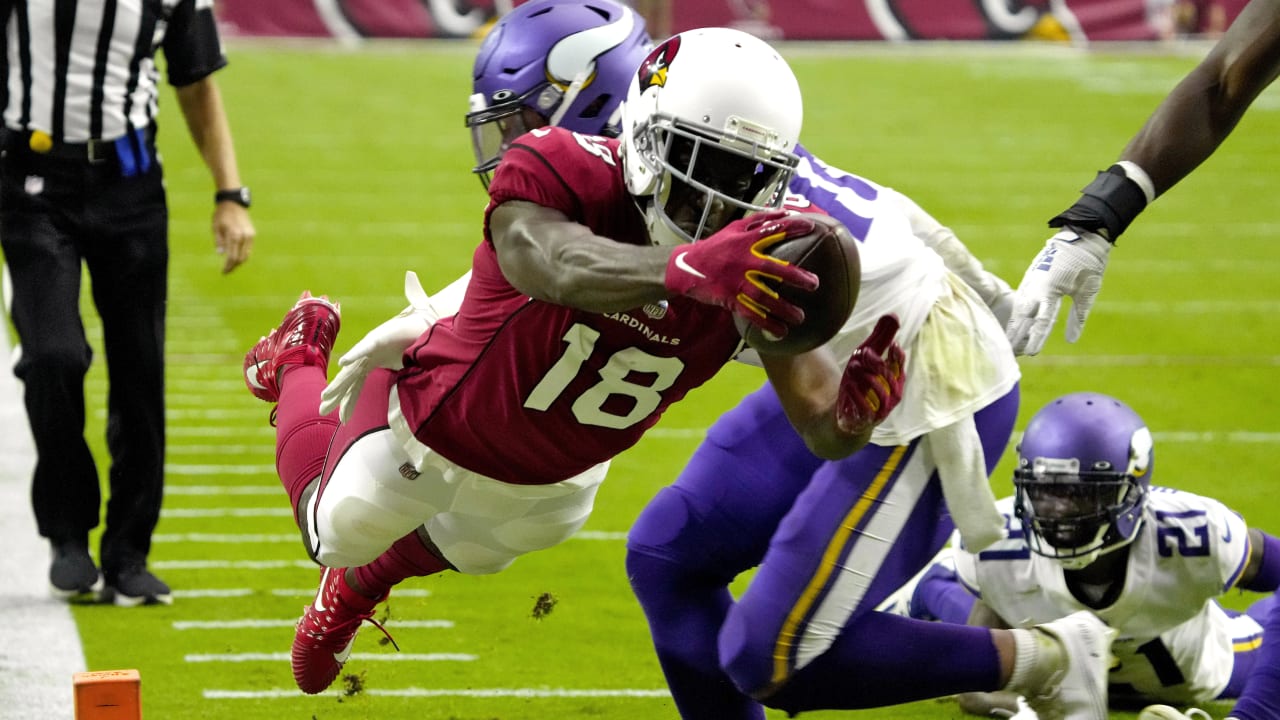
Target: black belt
91,151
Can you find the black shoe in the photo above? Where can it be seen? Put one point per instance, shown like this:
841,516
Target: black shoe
134,586
72,574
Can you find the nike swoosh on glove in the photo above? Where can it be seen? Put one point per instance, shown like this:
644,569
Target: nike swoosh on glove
871,386
382,347
731,269
1070,265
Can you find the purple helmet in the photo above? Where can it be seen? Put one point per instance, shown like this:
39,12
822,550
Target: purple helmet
1084,468
570,63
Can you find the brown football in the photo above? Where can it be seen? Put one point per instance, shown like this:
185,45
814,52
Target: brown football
831,253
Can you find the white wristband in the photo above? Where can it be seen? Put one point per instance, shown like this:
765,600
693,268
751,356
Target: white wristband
1135,173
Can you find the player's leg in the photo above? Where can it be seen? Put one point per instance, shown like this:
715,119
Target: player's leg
860,529
1260,699
298,349
935,593
318,458
303,435
696,535
378,517
1246,635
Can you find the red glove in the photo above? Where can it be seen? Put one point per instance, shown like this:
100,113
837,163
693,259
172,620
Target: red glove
731,270
871,386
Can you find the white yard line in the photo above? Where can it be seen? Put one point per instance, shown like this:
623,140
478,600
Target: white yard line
438,692
374,657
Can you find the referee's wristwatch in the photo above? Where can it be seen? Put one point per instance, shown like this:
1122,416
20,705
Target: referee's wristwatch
239,196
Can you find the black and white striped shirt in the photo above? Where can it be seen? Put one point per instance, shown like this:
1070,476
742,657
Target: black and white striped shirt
85,69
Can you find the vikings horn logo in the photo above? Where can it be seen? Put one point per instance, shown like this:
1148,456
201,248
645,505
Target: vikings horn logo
653,71
580,50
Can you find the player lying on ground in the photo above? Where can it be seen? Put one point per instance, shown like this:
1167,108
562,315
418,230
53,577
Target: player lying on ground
1087,530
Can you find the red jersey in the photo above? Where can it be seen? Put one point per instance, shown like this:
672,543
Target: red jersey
531,392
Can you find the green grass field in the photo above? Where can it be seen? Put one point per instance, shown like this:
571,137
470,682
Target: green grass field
360,169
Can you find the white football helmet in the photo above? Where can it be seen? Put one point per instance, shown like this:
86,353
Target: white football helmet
709,130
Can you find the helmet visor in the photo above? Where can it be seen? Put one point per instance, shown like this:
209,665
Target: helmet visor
494,128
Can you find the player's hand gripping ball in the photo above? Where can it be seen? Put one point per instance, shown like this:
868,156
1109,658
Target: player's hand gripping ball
831,253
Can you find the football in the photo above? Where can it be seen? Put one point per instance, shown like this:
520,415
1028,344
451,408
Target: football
831,253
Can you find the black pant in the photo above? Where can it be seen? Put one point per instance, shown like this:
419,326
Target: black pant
55,214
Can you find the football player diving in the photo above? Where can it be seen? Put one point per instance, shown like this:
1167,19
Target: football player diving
1088,530
742,482
589,310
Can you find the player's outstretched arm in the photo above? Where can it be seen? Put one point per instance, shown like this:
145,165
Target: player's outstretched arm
1185,129
1202,110
836,409
550,257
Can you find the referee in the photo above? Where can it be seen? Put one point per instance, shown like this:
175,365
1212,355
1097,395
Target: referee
81,185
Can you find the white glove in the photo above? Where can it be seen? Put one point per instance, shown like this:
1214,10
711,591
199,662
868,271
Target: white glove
382,347
1071,264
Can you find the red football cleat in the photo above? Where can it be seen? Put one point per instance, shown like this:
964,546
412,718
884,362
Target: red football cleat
304,337
327,630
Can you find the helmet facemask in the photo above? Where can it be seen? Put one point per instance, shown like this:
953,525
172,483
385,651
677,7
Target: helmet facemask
496,123
709,132
1074,516
707,178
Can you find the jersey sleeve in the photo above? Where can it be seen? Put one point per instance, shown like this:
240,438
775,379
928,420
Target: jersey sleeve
192,49
578,175
574,173
966,566
525,173
1230,537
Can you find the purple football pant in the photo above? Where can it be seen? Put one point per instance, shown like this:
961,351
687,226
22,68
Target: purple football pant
832,540
1260,699
940,596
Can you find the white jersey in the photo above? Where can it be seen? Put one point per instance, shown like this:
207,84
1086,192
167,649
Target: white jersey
958,358
1174,642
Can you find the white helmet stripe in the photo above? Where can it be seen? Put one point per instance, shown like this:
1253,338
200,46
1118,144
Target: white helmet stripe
579,51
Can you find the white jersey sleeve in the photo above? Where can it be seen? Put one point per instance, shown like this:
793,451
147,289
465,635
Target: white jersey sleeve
958,358
1174,642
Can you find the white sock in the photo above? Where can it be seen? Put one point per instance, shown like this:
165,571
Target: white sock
1038,657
